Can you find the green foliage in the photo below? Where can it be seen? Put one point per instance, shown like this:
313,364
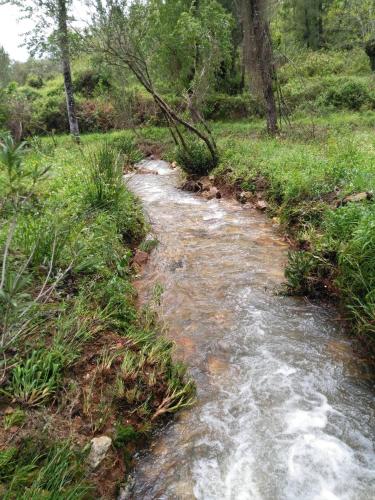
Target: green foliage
127,148
105,178
36,379
35,81
350,95
195,158
49,472
125,434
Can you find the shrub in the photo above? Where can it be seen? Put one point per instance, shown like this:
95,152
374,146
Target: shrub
35,81
95,115
89,80
228,107
128,149
350,94
196,159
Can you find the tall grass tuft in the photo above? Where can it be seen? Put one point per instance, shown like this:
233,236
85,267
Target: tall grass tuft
105,181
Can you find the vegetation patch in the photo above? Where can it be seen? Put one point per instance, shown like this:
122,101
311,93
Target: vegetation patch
78,360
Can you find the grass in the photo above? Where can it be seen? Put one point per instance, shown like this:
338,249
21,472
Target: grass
307,172
77,357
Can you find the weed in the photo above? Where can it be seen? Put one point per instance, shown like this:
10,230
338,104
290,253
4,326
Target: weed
14,419
195,158
124,435
36,379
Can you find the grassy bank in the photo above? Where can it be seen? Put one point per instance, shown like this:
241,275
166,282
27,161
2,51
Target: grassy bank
306,175
78,359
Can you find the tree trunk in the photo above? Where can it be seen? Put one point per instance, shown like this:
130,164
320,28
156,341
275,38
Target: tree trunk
65,62
260,60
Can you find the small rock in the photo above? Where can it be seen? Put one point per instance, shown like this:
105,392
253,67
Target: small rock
245,196
211,194
357,197
205,183
261,205
146,171
173,164
140,258
125,491
99,447
8,410
211,178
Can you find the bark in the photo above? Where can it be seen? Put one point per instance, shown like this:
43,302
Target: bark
65,62
260,55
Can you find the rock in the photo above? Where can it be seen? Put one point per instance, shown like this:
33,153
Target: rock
8,410
140,258
211,194
173,164
355,198
261,205
211,178
205,183
125,491
245,196
191,185
99,448
146,171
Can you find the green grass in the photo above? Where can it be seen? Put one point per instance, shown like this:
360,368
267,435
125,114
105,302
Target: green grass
309,170
68,231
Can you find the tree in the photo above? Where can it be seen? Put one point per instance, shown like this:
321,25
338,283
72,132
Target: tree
309,22
259,55
52,15
352,23
133,35
5,68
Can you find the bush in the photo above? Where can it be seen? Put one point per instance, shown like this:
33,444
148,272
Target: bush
95,115
89,80
196,159
229,107
35,81
350,95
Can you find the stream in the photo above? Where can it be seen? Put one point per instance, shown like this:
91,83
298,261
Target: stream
283,410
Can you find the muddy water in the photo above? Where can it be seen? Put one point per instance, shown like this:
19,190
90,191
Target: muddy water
281,411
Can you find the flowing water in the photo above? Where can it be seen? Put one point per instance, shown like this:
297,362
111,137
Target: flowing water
282,410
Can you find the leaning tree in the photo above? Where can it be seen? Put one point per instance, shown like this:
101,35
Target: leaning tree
131,35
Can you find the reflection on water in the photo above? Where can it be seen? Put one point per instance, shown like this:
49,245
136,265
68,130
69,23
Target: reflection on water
279,415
